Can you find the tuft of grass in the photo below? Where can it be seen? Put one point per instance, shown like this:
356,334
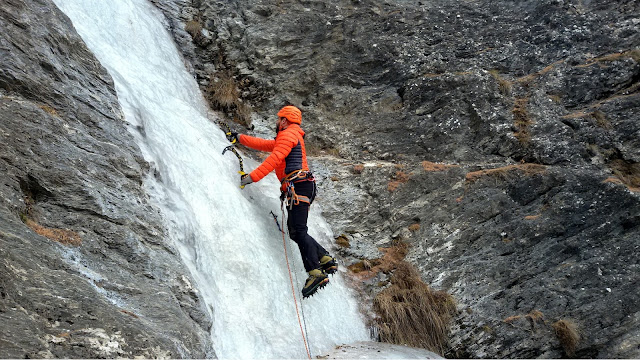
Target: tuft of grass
432,167
392,257
363,265
243,114
521,120
343,241
129,313
194,28
628,172
393,186
534,316
513,318
63,236
49,110
399,178
556,98
333,152
223,93
567,333
504,172
357,169
410,313
503,85
602,60
601,119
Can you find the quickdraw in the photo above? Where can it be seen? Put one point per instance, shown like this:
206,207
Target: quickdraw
232,148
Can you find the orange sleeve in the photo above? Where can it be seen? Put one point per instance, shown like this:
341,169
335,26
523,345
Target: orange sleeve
256,143
281,148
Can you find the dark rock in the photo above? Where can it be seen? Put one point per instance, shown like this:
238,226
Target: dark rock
86,269
479,85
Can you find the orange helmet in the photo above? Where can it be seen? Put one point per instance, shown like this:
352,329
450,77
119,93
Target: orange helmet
292,113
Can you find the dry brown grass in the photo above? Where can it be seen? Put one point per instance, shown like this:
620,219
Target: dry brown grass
521,120
398,179
513,318
504,172
627,172
612,180
357,169
601,119
535,316
194,28
243,114
431,166
223,93
363,265
391,258
414,227
503,85
49,110
410,313
602,60
526,80
567,333
393,185
343,241
129,313
333,152
63,236
555,98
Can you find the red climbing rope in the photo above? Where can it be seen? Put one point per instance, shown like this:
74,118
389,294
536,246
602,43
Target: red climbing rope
293,290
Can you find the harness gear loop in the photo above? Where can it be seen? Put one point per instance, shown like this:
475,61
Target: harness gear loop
304,332
289,195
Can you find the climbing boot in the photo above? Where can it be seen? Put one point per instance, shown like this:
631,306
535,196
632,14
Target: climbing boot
316,281
328,264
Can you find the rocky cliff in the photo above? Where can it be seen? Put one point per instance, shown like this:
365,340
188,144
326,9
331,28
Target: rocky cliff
86,269
498,139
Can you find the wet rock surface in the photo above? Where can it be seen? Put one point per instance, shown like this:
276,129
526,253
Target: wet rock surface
86,269
499,139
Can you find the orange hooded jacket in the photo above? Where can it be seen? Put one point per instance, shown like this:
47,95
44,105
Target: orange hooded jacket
288,152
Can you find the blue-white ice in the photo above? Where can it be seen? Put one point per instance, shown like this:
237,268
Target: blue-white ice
225,235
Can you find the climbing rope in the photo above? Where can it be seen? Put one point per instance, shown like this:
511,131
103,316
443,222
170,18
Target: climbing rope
293,290
295,274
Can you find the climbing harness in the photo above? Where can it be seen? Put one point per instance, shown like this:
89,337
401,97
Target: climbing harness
289,195
232,148
305,332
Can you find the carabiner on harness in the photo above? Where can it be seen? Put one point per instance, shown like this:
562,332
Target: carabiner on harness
289,195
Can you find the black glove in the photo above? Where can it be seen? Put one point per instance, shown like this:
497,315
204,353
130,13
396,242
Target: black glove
232,137
245,180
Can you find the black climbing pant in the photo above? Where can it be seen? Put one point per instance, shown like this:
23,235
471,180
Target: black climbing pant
310,250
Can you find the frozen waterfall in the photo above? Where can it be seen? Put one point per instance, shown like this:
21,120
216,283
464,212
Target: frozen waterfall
226,236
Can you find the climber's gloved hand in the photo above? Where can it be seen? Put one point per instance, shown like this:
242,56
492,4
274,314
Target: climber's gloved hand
232,137
245,180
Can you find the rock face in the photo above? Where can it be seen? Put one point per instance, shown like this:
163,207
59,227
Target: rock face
86,269
499,139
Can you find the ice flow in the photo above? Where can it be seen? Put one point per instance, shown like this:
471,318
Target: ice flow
226,236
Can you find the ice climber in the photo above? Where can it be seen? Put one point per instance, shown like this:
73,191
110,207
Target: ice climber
289,160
